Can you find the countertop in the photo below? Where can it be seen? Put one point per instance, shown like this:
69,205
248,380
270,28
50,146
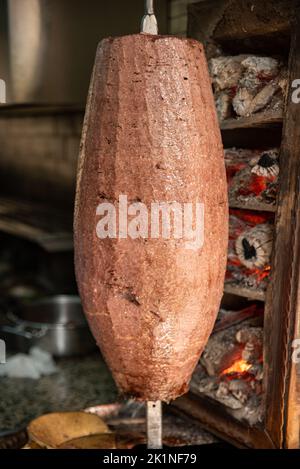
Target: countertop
80,383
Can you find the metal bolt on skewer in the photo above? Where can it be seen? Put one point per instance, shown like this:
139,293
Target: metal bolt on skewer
149,23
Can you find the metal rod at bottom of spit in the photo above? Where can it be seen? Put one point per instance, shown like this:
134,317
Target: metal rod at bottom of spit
154,425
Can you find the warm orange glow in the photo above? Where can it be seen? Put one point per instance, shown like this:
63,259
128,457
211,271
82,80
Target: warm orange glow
251,217
240,366
256,186
262,274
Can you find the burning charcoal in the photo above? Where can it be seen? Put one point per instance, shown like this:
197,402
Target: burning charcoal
265,68
223,389
223,105
227,318
263,97
249,334
226,71
252,337
257,371
252,83
240,389
220,352
211,387
252,176
258,388
237,160
239,386
207,385
246,102
242,102
237,274
252,352
258,70
223,351
267,164
230,401
253,411
254,246
270,193
224,396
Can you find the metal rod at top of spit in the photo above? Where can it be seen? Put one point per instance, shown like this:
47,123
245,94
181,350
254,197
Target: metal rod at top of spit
149,10
154,425
149,23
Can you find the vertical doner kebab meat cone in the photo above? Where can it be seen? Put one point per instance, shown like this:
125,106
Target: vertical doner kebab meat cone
151,133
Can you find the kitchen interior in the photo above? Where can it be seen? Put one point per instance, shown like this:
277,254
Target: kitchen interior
244,392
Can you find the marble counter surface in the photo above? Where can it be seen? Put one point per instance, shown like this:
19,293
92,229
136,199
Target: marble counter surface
80,383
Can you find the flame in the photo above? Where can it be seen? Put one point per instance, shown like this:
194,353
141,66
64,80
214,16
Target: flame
240,366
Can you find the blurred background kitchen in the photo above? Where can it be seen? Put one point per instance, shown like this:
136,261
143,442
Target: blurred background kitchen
47,49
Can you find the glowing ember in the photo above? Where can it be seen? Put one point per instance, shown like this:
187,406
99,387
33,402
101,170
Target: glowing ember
240,366
262,274
250,217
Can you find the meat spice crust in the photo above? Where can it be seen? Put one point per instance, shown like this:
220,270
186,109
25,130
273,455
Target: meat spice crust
151,132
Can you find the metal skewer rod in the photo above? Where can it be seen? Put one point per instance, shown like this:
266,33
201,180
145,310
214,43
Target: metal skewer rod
154,425
149,10
149,23
154,408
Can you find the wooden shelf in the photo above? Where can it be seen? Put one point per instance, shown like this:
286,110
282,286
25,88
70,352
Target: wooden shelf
241,21
264,28
245,292
253,205
45,226
213,416
8,110
259,120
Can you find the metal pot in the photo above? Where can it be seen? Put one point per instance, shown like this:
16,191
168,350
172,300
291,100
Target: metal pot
55,324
